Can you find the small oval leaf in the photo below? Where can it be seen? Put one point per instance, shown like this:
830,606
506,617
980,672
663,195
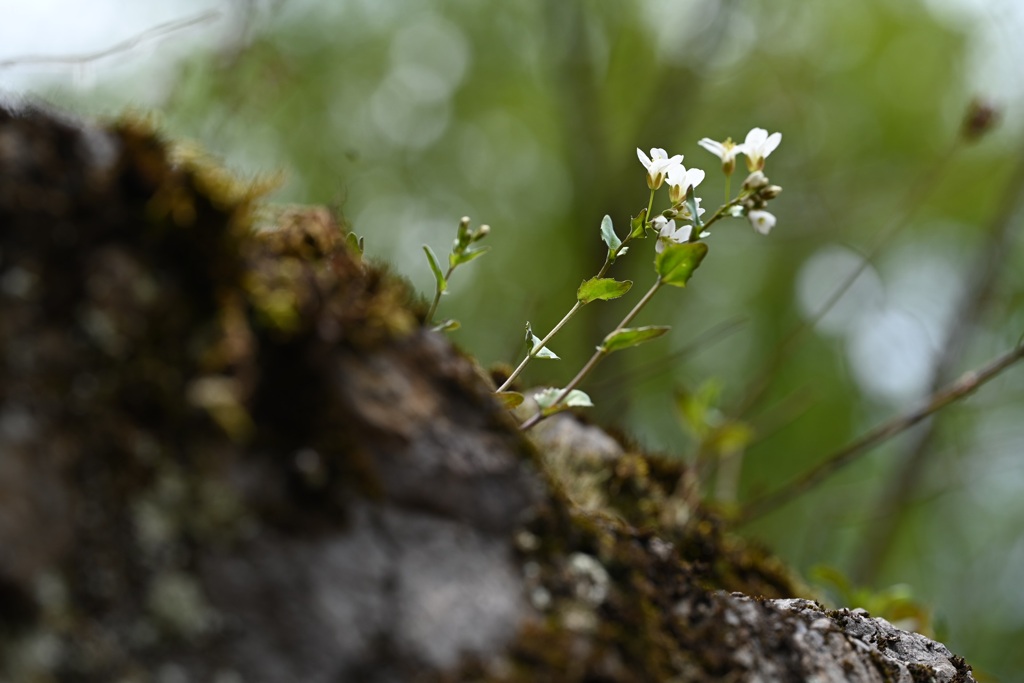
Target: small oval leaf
447,326
677,262
631,336
355,243
636,225
509,399
545,398
435,267
611,240
538,351
458,258
574,399
605,289
578,399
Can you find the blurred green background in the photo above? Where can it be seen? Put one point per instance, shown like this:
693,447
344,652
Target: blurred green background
525,115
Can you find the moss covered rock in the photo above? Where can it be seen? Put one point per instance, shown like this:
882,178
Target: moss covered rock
235,454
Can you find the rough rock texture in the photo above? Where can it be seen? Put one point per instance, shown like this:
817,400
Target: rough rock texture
230,455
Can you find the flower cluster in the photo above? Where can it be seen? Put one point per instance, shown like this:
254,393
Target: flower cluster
757,191
679,231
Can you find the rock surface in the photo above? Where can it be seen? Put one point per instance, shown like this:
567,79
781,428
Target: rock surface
229,455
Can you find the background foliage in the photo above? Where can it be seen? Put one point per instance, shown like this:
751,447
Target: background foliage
524,114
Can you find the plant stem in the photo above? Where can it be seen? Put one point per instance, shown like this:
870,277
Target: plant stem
566,318
437,297
601,353
594,359
536,348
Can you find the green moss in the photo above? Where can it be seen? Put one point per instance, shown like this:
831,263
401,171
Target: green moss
626,513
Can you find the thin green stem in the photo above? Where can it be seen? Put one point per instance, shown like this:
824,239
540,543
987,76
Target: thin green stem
566,318
536,348
437,297
650,206
715,217
600,353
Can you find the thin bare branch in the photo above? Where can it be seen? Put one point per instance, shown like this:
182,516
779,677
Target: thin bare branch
967,384
915,198
152,33
989,264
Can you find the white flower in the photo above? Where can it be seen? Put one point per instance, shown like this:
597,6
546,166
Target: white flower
657,165
758,146
681,179
725,150
762,221
668,233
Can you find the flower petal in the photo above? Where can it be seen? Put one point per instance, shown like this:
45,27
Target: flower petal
771,143
755,138
761,221
713,146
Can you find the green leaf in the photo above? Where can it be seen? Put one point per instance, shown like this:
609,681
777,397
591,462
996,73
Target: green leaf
442,284
697,409
538,351
546,397
574,399
447,326
677,262
610,239
605,289
355,243
509,399
732,437
458,258
631,336
636,225
578,399
691,204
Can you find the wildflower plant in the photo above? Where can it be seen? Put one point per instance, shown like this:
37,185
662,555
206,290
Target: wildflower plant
462,252
679,233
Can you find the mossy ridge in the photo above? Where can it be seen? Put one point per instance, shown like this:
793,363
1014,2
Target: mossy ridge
156,290
660,558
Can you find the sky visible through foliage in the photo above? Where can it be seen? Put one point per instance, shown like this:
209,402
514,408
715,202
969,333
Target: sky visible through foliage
525,115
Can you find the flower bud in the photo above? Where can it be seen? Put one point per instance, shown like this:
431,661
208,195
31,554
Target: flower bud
755,181
981,117
463,236
770,192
